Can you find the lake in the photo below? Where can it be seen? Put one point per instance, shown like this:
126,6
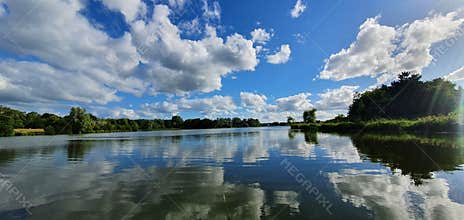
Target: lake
256,173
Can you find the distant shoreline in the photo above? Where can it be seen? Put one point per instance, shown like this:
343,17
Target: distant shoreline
78,121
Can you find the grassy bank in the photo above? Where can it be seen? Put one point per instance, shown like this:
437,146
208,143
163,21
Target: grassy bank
28,131
431,124
438,140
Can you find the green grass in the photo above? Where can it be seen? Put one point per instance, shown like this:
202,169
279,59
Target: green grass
430,124
28,131
440,140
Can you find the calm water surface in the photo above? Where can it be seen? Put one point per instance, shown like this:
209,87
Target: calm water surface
267,173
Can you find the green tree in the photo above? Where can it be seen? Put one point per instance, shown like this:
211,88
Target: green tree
17,117
80,121
34,120
309,116
223,123
408,97
134,125
177,121
237,123
290,120
6,126
50,130
253,122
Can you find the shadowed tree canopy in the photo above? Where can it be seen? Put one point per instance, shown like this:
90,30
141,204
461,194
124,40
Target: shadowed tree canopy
177,121
408,97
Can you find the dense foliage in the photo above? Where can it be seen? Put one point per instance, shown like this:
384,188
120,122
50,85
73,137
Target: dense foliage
79,121
408,97
220,123
309,116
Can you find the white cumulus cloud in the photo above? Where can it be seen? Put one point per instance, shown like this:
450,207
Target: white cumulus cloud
210,107
370,54
129,8
336,99
36,82
299,102
179,66
334,102
382,51
70,46
260,36
253,100
177,3
211,11
63,43
281,56
298,9
119,112
258,106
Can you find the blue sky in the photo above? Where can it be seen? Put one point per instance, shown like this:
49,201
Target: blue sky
205,58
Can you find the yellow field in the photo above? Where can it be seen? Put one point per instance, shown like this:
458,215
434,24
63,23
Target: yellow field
26,131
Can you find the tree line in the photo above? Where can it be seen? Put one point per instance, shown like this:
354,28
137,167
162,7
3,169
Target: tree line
78,121
406,98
